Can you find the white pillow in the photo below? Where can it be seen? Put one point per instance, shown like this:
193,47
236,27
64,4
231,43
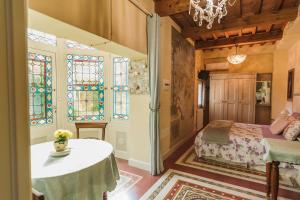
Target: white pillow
292,131
286,112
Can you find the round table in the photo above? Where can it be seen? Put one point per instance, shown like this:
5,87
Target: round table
86,173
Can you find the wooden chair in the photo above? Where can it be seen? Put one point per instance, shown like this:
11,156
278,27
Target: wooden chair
37,195
101,125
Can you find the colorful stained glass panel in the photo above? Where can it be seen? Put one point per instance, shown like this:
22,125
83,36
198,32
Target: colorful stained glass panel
120,88
42,37
40,89
85,88
76,45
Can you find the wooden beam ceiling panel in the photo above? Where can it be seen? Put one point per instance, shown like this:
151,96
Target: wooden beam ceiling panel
243,40
269,28
214,36
241,8
258,7
278,5
226,25
171,7
189,19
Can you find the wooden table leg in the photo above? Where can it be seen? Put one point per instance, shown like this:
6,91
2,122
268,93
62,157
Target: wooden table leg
104,195
275,179
268,174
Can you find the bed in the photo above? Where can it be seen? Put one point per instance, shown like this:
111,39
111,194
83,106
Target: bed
244,144
243,147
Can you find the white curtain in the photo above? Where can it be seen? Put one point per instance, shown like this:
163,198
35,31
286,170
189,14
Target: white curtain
153,29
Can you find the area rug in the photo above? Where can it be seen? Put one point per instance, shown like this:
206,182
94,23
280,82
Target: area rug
127,180
184,186
257,174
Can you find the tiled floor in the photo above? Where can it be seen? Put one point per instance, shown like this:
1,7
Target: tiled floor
141,186
147,181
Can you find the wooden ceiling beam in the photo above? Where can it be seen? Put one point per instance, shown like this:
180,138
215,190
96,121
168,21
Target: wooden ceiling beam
171,7
269,28
243,40
226,25
278,4
258,7
241,8
214,36
226,34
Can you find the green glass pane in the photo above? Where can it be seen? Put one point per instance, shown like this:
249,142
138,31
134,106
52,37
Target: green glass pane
37,110
95,95
37,100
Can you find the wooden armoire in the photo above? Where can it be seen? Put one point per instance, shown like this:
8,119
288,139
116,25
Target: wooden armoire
232,97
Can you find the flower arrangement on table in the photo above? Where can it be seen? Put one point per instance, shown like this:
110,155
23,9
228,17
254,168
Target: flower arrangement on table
61,139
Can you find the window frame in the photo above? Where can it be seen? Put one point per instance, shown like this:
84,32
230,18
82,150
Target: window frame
85,87
201,94
47,88
120,88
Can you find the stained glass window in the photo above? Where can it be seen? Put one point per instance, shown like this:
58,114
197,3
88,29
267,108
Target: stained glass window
85,87
75,45
42,37
120,88
40,89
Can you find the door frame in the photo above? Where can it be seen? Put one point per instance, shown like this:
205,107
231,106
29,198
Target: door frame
15,182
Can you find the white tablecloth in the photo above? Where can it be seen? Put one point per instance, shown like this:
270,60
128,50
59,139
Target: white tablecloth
85,174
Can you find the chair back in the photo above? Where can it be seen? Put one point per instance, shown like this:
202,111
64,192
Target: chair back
80,125
36,195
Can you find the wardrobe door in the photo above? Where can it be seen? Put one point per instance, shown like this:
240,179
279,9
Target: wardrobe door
216,104
231,99
246,100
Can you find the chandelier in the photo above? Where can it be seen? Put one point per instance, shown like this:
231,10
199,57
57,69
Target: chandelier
210,12
236,58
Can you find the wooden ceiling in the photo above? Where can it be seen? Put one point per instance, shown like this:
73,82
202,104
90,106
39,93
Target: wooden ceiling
248,22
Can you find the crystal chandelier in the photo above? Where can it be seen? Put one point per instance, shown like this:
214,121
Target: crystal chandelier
236,58
210,12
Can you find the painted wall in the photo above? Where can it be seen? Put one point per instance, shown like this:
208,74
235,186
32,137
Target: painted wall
279,91
285,60
182,87
259,58
286,57
165,92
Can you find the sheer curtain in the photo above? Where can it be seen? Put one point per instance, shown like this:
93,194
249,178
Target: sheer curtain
153,30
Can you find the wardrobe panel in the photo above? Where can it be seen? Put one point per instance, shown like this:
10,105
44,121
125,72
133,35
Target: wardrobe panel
217,100
231,99
246,101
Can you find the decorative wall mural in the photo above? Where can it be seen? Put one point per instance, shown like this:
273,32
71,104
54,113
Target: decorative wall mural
139,77
182,87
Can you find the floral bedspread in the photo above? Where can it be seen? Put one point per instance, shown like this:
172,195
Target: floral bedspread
244,145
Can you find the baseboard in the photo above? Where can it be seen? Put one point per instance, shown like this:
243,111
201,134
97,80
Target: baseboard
175,147
139,164
121,154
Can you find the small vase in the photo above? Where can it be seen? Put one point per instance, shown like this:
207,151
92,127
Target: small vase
60,146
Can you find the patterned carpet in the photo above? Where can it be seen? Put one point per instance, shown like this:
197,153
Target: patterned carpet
127,180
257,175
184,186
